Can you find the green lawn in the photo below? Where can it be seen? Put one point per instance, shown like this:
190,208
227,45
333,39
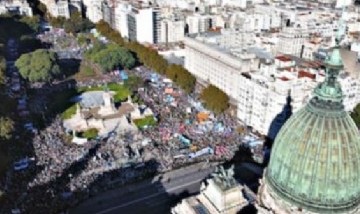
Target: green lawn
90,134
147,121
134,82
121,91
68,113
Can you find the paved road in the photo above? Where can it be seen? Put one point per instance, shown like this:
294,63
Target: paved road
152,196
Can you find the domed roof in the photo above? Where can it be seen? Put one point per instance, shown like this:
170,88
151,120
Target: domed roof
315,160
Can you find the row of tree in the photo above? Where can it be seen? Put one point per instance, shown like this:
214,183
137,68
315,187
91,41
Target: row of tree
110,56
151,58
214,99
181,76
74,25
22,29
105,29
6,124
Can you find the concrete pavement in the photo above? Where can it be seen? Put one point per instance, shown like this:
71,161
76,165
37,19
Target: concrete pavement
152,196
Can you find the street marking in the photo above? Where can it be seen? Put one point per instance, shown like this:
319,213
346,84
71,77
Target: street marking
147,197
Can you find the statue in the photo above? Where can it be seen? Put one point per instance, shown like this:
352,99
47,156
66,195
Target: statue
224,177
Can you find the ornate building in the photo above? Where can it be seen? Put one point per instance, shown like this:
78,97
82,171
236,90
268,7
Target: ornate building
221,194
315,161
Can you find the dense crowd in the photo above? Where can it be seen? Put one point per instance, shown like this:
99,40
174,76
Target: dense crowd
177,115
64,173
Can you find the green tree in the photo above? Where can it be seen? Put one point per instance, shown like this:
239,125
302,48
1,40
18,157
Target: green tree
356,115
214,99
105,29
2,70
172,72
57,22
110,57
76,24
150,58
32,21
38,66
6,127
42,8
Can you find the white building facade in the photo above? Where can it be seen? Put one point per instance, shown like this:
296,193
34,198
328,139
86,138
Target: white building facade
58,8
20,7
216,67
291,41
93,10
265,93
172,31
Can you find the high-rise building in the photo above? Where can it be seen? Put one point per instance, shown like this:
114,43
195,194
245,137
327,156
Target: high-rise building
314,165
20,7
172,31
157,24
121,19
291,41
57,8
93,10
198,23
144,24
106,11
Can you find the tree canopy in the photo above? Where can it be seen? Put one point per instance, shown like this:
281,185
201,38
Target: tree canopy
6,127
74,25
214,99
110,56
32,21
38,66
2,70
105,29
356,115
150,58
6,124
181,76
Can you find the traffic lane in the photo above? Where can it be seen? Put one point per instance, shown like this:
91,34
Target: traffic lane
162,199
163,205
159,184
186,179
130,200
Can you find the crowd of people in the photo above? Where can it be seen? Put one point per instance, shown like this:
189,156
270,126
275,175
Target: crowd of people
68,173
177,115
64,174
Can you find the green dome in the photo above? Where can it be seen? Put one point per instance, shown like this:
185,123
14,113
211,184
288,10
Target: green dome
315,160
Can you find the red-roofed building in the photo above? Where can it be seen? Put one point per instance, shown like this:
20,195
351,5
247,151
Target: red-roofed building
284,61
284,79
307,74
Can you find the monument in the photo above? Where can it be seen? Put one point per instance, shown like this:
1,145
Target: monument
219,194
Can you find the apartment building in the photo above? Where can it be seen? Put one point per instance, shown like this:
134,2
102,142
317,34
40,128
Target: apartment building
93,10
264,91
291,41
57,8
172,30
20,7
198,23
